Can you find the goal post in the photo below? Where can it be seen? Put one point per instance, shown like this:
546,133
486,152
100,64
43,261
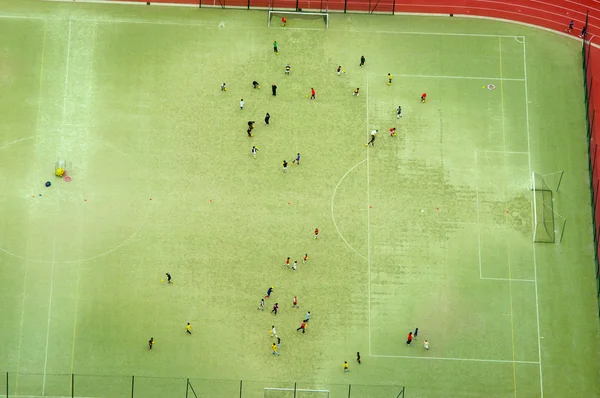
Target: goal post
548,225
294,393
275,17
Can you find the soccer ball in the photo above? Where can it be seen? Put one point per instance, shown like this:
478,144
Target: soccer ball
343,71
258,86
225,89
389,84
306,95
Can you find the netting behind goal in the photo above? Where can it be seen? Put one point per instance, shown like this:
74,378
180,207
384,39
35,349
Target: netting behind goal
295,393
299,19
548,225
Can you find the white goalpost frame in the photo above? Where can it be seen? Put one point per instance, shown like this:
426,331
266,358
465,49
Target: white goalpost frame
325,15
294,390
538,184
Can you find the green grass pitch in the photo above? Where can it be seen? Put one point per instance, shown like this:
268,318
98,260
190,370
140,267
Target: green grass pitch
429,229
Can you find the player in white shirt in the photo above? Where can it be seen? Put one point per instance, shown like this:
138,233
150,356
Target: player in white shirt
242,104
254,151
426,344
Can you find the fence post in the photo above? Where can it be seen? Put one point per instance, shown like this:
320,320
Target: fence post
394,7
199,3
240,388
345,5
132,385
248,4
72,385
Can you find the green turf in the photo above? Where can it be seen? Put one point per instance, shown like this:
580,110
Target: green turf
429,229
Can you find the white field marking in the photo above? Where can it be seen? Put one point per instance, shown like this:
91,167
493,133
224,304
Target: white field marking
368,219
478,218
537,305
427,33
460,77
509,152
287,28
456,359
332,215
507,279
519,40
49,311
67,73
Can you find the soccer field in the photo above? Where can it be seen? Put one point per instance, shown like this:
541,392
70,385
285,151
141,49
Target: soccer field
431,228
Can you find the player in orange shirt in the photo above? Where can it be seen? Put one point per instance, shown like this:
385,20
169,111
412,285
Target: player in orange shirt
283,21
393,132
312,93
287,262
316,233
305,259
423,97
295,302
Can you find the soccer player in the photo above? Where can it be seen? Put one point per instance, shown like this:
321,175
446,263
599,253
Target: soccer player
269,292
373,134
188,328
254,151
393,132
151,342
275,308
409,338
423,97
287,262
168,278
284,164
356,91
399,112
362,61
255,84
358,357
249,131
267,118
305,259
297,160
273,331
275,48
302,327
583,31
223,88
251,124
274,348
274,89
389,79
242,104
288,67
346,367
278,343
295,265
307,317
415,334
283,21
426,344
339,70
262,304
316,233
295,302
570,28
312,93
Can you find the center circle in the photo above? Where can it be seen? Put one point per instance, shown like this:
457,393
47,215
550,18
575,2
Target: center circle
104,205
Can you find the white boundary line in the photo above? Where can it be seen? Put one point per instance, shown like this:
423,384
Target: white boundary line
507,279
457,359
67,74
478,218
368,218
537,305
332,206
460,77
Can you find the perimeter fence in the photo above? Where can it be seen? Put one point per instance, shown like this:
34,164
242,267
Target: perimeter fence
23,385
591,81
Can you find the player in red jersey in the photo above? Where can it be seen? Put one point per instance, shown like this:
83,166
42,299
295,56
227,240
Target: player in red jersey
423,97
283,21
393,132
312,93
287,262
316,233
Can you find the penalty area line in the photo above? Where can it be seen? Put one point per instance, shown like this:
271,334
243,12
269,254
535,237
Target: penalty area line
457,359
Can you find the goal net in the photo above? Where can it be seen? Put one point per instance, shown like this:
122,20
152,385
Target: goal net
548,225
299,19
294,393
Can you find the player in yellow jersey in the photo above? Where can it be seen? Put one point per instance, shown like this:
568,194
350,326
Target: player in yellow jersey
389,79
346,367
188,328
274,348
